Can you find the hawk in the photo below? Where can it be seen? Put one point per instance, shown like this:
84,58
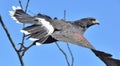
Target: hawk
45,30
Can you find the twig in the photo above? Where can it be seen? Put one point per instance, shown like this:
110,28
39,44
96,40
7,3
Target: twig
23,37
20,52
68,44
63,53
26,8
26,48
20,3
11,41
23,49
64,14
70,54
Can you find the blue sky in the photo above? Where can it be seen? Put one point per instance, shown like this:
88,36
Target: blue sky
104,37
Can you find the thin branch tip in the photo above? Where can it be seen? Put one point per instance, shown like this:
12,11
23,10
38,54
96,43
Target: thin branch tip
66,57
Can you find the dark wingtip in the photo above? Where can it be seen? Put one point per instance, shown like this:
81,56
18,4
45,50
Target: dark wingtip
106,58
0,18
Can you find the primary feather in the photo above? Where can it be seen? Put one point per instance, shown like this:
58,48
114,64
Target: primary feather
40,28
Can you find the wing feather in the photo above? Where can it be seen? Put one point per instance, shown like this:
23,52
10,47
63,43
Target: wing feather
41,26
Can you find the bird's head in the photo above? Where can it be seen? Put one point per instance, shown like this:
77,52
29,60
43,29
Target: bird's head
86,22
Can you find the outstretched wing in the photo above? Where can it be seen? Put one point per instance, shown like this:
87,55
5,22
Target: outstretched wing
106,58
73,38
40,28
67,32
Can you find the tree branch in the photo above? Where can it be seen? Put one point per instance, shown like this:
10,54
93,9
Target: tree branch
20,3
63,54
22,49
64,14
70,54
26,8
11,41
26,48
23,36
68,44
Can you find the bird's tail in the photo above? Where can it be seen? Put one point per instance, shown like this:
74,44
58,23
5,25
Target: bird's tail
21,17
106,58
40,29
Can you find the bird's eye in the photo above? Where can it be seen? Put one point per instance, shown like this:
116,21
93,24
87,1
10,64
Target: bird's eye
93,19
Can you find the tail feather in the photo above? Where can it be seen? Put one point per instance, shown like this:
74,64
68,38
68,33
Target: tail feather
41,27
21,17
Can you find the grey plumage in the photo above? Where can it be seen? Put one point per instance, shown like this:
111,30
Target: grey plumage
46,30
61,30
67,32
38,30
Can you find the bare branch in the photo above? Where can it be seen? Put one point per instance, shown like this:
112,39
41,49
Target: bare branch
23,37
63,53
26,48
11,41
64,14
26,8
20,3
70,54
68,44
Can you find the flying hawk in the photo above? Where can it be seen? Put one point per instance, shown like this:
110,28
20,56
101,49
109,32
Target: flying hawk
45,30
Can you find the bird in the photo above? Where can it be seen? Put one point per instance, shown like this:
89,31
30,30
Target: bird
45,30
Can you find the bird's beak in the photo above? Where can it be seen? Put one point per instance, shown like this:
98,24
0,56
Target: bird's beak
96,22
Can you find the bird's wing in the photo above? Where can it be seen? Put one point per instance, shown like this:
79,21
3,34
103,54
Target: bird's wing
106,58
79,40
40,28
66,32
71,37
